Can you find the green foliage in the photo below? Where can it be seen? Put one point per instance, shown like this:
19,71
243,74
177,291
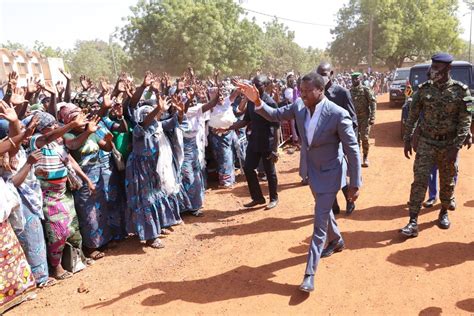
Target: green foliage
13,46
402,29
94,59
46,50
166,35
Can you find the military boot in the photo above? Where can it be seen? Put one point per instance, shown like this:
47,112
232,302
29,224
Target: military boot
443,220
365,161
411,229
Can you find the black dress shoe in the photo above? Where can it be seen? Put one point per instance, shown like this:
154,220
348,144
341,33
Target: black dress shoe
305,181
443,219
255,203
308,283
350,207
411,229
271,205
429,203
335,246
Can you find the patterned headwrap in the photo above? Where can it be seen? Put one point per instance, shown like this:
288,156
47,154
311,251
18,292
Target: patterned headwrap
45,120
68,112
142,112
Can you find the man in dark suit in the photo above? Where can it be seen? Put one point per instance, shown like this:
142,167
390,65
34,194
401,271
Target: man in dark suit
342,97
262,145
327,135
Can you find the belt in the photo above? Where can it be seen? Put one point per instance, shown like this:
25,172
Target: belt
439,137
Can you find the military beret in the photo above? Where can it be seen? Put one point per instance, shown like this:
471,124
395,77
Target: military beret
442,58
356,74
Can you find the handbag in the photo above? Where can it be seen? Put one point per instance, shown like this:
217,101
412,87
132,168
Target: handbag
72,259
118,158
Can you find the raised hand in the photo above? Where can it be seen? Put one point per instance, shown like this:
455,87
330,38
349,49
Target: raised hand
92,125
148,79
86,83
250,91
33,85
162,103
34,157
18,97
104,85
65,74
59,87
12,80
177,104
156,84
80,121
107,101
48,86
118,109
7,112
30,129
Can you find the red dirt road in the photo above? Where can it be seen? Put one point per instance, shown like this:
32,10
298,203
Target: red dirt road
237,261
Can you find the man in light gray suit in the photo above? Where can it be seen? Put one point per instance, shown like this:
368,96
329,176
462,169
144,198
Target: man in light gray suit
328,134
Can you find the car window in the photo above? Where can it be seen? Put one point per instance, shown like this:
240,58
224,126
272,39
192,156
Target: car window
419,75
402,74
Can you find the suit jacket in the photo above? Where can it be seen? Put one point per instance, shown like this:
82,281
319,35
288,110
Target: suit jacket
342,97
263,132
333,136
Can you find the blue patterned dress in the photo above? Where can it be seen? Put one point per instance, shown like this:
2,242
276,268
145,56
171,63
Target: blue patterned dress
32,236
94,211
191,171
222,147
149,209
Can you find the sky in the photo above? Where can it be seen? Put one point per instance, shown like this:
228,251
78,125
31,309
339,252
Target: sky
59,23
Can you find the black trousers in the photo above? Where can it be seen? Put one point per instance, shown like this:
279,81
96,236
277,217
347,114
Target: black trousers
252,160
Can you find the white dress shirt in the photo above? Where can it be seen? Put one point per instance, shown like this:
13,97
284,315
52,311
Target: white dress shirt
311,122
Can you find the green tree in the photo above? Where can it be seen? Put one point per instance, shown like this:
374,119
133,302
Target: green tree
94,59
403,29
165,35
13,46
46,50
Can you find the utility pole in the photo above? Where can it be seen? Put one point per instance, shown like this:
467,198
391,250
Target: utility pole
113,54
371,23
470,33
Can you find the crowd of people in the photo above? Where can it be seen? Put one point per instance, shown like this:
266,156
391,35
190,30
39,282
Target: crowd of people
82,169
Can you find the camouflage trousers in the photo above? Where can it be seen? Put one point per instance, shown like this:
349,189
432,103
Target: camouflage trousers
427,156
363,134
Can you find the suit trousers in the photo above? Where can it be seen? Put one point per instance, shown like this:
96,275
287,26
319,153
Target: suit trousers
325,228
252,160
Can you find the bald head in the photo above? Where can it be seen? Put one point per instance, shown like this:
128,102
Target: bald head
324,69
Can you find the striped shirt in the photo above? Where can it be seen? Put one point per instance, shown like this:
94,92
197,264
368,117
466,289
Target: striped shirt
51,165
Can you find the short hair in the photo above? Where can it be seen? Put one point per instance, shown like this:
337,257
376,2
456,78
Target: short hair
261,80
315,79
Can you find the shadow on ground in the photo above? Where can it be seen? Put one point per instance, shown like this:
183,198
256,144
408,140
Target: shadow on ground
438,256
240,282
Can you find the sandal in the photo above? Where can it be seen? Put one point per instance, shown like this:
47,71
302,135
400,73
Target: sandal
64,276
156,244
96,255
49,282
89,261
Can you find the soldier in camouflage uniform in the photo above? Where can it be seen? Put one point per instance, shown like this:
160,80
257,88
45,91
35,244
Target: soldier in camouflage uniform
445,106
365,106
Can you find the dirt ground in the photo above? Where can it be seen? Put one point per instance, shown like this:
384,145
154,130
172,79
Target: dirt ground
251,261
